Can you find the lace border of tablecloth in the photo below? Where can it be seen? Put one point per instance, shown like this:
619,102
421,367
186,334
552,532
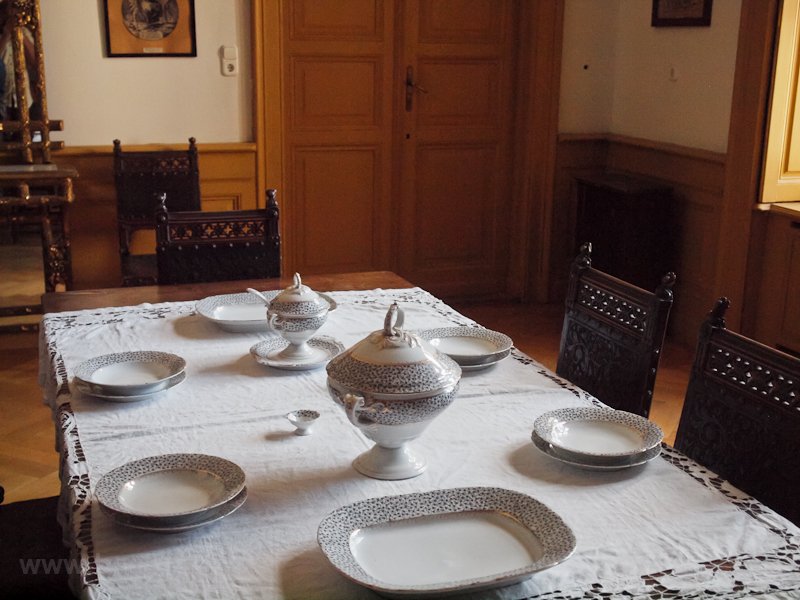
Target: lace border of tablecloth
778,571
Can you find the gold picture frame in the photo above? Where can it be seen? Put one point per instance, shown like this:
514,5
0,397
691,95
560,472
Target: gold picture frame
150,28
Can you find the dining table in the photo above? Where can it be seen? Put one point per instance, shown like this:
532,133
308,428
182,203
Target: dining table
669,528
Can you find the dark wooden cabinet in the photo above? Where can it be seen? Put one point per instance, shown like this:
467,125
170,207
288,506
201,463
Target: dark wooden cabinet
631,224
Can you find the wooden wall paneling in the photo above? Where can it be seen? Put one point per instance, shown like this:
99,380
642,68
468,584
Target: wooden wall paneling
775,310
790,326
697,178
575,155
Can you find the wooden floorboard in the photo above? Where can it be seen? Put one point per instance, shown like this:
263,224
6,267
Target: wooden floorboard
29,463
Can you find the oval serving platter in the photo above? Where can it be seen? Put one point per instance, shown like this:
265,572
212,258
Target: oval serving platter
444,541
236,313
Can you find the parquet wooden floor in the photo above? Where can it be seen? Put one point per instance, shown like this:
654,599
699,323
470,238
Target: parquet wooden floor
29,463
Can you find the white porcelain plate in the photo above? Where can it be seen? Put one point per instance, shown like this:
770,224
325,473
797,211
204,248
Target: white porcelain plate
236,313
474,347
444,541
84,388
166,525
591,463
129,373
170,485
598,432
271,353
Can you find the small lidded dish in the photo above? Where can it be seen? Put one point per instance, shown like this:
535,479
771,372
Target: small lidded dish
392,384
296,314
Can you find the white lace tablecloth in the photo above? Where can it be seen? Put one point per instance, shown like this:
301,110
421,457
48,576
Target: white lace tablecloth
666,530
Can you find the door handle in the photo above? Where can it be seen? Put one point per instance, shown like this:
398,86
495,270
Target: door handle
411,87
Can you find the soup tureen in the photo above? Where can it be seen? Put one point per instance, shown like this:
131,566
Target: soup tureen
296,314
391,385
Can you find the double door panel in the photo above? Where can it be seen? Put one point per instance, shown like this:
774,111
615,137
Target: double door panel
398,128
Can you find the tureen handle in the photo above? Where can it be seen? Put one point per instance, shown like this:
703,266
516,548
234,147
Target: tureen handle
354,406
296,282
388,328
352,402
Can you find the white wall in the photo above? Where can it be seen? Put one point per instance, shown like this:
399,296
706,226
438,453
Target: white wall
587,66
146,100
691,110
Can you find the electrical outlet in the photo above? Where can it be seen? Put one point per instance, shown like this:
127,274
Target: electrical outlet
229,57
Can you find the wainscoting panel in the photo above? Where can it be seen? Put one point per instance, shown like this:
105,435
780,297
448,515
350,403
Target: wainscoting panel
697,178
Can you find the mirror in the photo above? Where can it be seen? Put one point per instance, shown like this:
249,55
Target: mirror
34,193
23,103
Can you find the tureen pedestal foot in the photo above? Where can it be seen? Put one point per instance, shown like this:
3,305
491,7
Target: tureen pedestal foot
295,351
390,463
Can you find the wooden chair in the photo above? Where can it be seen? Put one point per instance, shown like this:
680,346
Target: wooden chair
141,178
195,247
741,415
612,335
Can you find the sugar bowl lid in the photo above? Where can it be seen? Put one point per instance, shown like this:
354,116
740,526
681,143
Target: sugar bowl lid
299,299
393,361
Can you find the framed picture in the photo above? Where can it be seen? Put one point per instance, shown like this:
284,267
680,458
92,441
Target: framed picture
681,13
150,28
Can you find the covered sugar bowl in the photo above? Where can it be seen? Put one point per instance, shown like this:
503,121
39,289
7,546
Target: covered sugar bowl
392,384
296,314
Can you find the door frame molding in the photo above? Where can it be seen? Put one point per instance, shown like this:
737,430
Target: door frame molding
538,77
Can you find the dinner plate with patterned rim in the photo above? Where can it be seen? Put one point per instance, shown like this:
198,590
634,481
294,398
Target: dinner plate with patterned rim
83,388
469,346
166,525
129,373
592,463
593,431
444,541
236,313
170,485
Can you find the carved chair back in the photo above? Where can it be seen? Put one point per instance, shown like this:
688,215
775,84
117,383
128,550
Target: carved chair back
612,335
741,414
141,178
196,246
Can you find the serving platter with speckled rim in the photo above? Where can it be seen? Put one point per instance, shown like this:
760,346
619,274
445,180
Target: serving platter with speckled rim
129,373
590,463
444,541
469,346
236,313
161,525
597,432
169,486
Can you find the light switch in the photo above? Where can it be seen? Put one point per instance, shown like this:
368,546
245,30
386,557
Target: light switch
229,57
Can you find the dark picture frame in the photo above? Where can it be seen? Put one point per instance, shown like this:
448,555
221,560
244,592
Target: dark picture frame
150,28
681,13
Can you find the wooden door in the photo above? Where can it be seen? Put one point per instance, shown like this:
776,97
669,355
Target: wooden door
337,122
455,119
370,182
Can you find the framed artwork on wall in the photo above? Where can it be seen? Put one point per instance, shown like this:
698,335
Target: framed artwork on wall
150,28
681,13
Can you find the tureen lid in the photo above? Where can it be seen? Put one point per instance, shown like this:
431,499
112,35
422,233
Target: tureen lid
298,298
393,361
